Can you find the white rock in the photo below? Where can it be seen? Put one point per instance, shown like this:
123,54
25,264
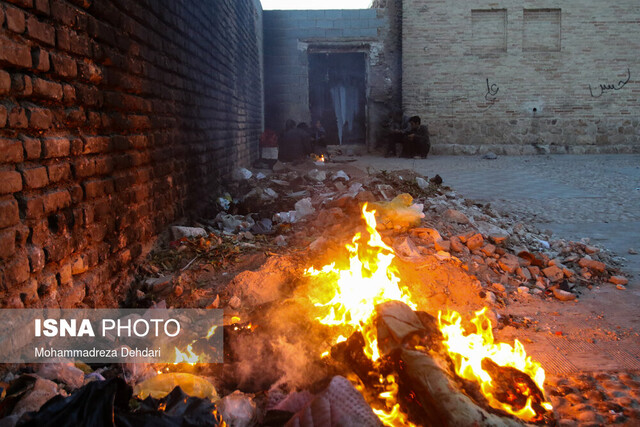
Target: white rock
317,175
340,175
179,232
304,208
422,183
241,174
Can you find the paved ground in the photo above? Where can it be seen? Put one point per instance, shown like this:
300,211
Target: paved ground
590,196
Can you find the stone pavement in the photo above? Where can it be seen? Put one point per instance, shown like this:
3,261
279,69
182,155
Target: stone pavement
575,196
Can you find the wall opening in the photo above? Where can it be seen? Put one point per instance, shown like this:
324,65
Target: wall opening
337,95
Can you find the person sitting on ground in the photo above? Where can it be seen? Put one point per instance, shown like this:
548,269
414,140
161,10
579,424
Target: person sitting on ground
295,143
416,139
393,131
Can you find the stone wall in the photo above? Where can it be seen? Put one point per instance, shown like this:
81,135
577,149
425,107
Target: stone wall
289,35
116,116
515,77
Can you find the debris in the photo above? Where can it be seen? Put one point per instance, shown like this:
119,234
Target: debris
475,242
234,223
456,216
263,226
318,244
280,241
562,295
63,372
340,175
632,251
437,180
316,175
621,287
553,273
162,384
238,409
158,284
618,280
422,183
340,404
285,218
235,302
180,232
215,303
304,208
107,404
241,174
591,264
509,263
490,156
398,213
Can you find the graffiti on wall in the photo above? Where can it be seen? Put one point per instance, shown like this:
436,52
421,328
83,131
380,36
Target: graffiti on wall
606,87
492,91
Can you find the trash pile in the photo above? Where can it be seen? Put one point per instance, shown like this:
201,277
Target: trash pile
249,253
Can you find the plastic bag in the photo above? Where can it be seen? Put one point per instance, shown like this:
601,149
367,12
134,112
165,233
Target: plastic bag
106,403
398,213
162,384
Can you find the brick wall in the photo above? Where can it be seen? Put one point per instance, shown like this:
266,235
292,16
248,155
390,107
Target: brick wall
116,116
288,37
543,58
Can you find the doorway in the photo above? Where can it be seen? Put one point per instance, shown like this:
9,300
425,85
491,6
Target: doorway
337,96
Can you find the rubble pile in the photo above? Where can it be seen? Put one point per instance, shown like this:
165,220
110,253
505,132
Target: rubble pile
249,252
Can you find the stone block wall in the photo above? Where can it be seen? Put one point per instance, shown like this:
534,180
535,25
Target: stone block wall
524,77
116,117
290,34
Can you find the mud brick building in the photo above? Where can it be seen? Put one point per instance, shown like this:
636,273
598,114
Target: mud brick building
115,117
515,76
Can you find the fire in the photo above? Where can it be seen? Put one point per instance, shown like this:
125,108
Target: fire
346,300
351,296
469,350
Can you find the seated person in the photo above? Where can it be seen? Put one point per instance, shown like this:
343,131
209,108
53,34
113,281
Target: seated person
393,130
416,142
294,144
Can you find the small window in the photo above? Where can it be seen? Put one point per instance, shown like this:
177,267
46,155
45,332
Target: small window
541,30
489,28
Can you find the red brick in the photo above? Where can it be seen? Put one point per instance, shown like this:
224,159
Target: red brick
24,3
32,206
17,271
7,243
42,6
41,31
78,265
40,59
76,193
5,82
3,115
64,65
9,214
64,274
97,144
10,182
15,54
39,232
69,94
35,178
47,89
62,12
10,151
59,172
55,201
83,167
21,85
40,118
15,20
56,147
18,118
36,258
1,22
32,147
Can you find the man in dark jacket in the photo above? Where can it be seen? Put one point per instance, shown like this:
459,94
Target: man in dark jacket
295,143
417,139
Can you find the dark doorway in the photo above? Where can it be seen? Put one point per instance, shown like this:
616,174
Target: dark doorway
337,96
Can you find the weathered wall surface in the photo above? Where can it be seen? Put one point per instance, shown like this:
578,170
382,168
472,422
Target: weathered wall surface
115,117
494,76
288,36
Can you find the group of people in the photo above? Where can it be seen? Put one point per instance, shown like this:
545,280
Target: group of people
297,142
410,134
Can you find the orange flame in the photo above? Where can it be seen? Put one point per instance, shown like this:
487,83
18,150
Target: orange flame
468,350
346,300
